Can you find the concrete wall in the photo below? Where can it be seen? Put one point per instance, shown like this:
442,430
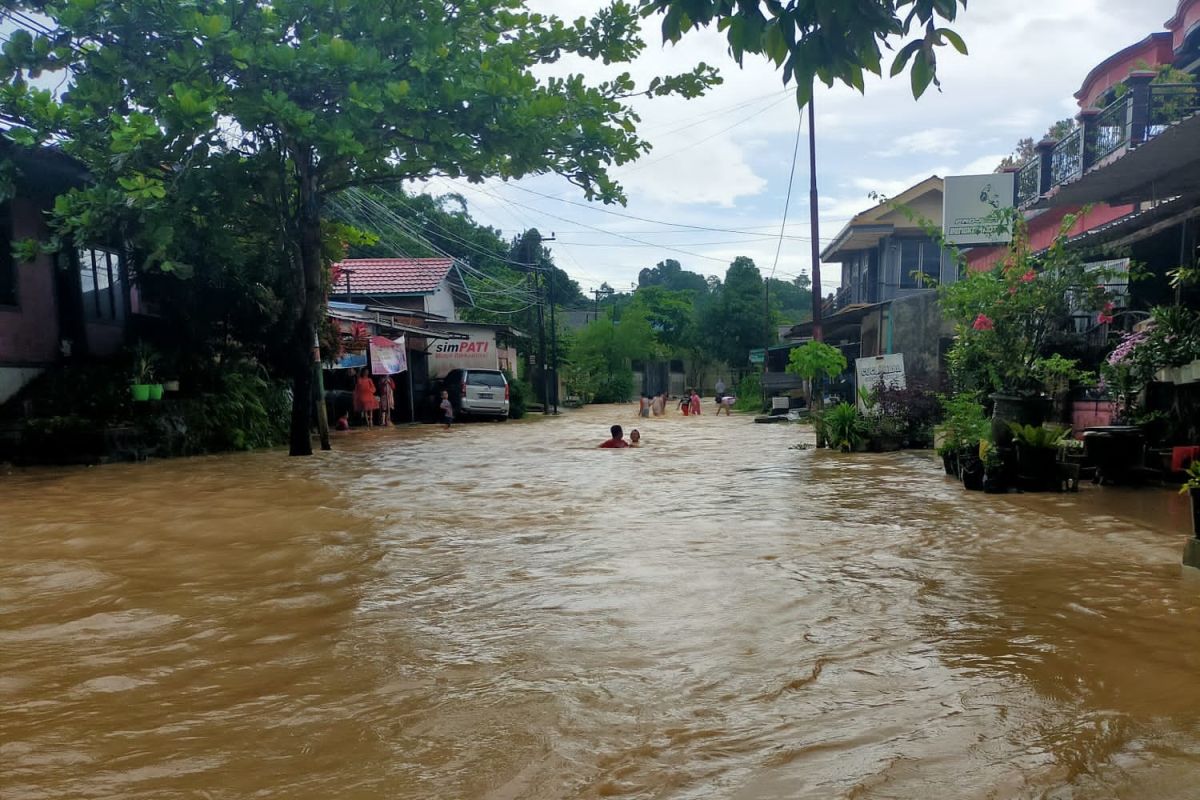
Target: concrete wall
29,335
441,302
917,327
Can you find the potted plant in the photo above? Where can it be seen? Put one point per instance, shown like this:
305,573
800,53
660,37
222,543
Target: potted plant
1006,318
995,478
845,428
145,360
963,427
1037,453
972,467
1192,487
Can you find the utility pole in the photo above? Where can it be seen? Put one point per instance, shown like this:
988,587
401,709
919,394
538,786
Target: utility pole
553,334
814,231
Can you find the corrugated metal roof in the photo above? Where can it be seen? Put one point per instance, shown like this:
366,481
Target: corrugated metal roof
394,275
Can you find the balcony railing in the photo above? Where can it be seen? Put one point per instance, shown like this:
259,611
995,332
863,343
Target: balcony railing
1027,183
1066,160
1112,129
1171,103
1145,111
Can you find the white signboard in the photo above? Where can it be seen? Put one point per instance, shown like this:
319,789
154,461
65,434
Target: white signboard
387,357
972,208
477,353
871,370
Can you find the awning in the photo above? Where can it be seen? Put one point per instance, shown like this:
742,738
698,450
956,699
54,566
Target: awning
850,315
385,321
854,238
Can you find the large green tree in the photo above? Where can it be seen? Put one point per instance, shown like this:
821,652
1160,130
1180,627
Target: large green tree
736,320
826,40
320,95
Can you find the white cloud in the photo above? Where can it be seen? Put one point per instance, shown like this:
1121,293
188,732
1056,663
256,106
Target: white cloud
941,141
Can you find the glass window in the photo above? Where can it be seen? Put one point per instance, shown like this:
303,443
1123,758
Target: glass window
100,282
919,258
493,379
8,267
910,262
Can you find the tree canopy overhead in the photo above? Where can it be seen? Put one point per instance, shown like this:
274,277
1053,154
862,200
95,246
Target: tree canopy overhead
306,98
827,40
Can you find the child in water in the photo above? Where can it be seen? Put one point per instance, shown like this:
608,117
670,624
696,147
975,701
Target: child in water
695,403
635,438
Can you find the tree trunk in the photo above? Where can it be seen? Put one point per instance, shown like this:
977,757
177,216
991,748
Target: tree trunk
309,229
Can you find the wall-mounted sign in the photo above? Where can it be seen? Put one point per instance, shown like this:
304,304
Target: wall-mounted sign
388,357
758,356
974,208
873,370
449,354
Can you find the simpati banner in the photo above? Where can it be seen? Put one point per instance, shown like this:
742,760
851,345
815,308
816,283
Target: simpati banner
477,353
387,357
973,206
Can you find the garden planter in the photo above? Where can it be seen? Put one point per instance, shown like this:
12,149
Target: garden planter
1037,467
1117,452
140,392
156,391
1008,409
972,475
994,481
1190,373
950,464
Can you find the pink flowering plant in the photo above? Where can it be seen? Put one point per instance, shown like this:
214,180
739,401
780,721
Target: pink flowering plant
1008,317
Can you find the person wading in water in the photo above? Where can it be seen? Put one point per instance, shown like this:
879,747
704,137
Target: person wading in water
618,438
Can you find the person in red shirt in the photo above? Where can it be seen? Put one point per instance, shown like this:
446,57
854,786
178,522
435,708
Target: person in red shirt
618,438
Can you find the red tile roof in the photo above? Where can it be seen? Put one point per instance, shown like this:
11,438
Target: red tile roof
393,275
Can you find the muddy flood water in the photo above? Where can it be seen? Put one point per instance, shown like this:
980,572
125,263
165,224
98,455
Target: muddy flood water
504,612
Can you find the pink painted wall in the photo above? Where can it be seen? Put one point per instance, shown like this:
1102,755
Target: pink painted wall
1043,229
1091,414
1186,18
29,332
1153,50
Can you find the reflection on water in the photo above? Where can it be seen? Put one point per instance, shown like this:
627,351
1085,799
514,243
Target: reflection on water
504,611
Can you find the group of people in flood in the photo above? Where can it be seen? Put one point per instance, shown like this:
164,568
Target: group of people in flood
371,396
657,405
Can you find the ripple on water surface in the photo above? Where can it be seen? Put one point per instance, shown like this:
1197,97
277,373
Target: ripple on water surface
504,611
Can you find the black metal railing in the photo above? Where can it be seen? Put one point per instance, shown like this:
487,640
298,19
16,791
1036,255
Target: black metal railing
1027,183
1066,160
1112,128
1171,103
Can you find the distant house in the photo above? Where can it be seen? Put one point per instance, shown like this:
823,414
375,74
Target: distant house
431,285
61,307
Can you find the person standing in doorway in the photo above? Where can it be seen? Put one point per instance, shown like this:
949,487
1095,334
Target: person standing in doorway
447,410
387,399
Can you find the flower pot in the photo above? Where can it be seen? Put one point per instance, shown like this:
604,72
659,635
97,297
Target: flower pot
972,475
156,391
994,481
1195,497
1190,373
171,386
140,392
950,463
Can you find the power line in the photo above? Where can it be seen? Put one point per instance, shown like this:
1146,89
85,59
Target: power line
788,199
647,220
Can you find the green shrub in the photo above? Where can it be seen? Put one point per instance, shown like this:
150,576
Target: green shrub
244,412
749,393
519,393
844,427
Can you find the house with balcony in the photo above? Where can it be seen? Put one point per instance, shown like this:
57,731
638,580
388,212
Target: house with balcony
887,300
1130,170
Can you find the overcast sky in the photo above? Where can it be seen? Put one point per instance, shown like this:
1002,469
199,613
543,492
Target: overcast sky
722,160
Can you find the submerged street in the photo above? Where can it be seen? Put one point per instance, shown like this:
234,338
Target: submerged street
504,611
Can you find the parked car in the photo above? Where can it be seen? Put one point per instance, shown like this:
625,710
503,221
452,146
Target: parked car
478,392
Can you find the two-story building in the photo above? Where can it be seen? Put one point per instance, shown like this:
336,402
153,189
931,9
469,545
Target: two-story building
887,301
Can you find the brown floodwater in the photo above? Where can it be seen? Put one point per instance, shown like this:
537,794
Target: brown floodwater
504,611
